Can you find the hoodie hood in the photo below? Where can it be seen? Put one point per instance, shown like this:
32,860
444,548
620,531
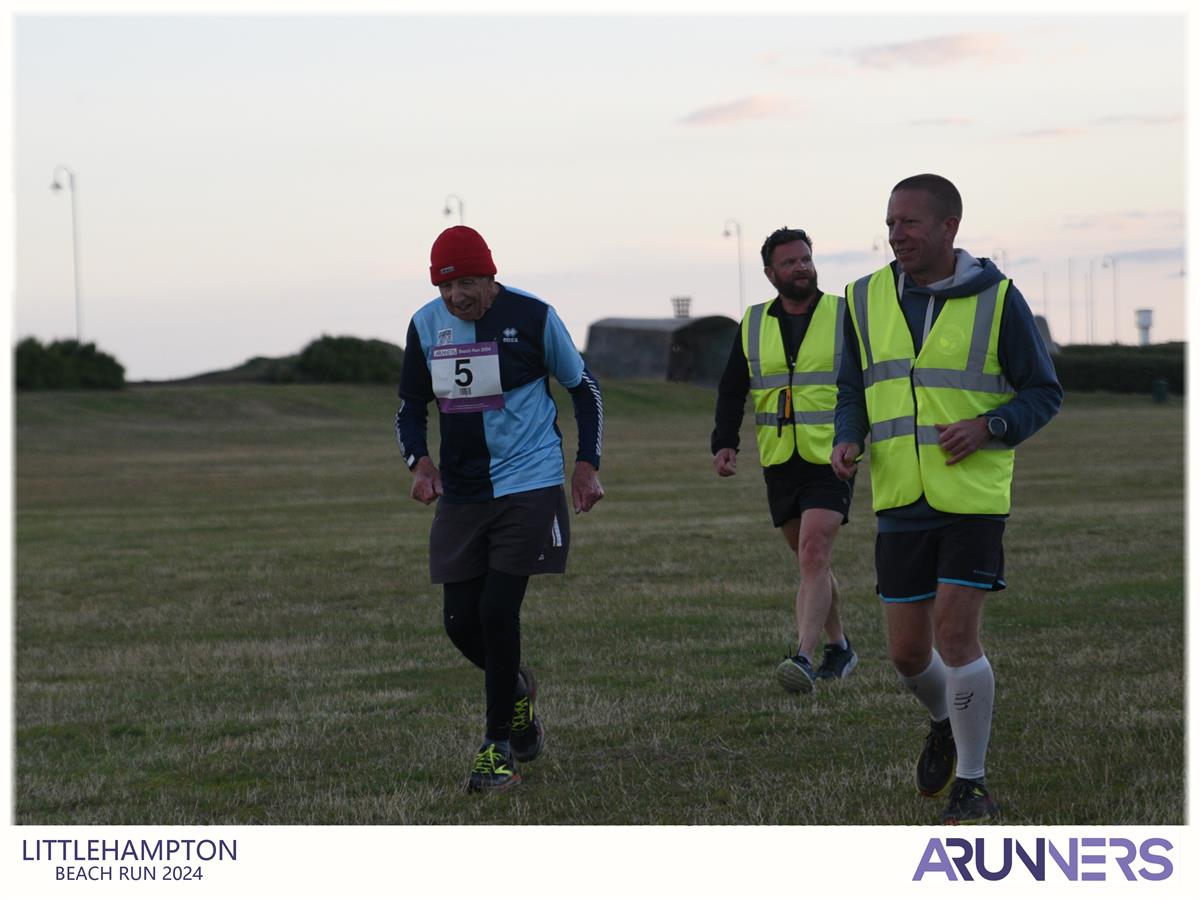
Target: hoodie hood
971,275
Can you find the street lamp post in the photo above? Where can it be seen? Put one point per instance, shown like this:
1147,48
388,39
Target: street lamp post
1091,298
738,230
1110,262
1071,298
55,185
1087,307
458,200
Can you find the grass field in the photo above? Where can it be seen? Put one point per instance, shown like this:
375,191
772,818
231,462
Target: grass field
223,616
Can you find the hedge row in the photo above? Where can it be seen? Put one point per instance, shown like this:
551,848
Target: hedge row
339,360
65,364
1121,369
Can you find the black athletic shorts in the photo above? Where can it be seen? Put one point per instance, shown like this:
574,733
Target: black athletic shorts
797,485
909,565
520,534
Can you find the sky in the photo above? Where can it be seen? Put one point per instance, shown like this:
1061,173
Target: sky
247,183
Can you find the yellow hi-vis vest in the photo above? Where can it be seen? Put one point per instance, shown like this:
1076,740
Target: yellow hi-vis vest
793,407
955,376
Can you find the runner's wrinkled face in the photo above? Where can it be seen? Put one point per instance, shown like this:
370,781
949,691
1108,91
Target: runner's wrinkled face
469,297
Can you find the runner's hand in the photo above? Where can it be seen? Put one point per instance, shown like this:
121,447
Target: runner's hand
962,438
585,487
725,462
843,459
427,481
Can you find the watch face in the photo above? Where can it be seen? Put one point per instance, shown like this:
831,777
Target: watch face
997,426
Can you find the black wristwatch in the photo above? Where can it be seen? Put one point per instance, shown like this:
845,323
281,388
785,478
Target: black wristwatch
997,426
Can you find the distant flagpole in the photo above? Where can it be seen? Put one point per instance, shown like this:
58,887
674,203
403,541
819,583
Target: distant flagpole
56,186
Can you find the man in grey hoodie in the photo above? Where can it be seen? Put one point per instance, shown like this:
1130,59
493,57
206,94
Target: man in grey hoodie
945,369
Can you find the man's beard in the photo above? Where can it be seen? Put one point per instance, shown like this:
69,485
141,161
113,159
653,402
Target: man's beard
797,294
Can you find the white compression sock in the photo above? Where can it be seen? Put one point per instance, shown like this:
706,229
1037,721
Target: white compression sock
971,690
930,687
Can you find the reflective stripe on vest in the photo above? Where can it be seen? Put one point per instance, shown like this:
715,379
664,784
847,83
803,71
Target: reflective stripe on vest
956,376
811,384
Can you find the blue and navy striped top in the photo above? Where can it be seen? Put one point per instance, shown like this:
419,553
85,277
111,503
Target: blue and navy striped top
496,452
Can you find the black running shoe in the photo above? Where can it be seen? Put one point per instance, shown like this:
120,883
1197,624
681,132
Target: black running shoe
935,765
526,735
796,675
970,803
837,663
493,770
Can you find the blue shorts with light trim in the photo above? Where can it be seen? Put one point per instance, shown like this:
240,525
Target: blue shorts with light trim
909,565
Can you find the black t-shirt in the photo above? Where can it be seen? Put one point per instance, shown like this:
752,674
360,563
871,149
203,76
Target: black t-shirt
794,326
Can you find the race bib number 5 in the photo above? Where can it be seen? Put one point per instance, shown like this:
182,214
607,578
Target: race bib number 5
466,377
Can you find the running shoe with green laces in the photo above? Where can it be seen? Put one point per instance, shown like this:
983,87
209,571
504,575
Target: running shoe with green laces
970,803
837,663
796,675
493,770
526,735
935,765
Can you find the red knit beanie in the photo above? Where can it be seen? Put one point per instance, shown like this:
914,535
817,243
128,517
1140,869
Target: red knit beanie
458,252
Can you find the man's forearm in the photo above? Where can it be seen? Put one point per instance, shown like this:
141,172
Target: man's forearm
589,419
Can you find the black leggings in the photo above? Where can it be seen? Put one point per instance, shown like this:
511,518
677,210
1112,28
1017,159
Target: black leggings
483,619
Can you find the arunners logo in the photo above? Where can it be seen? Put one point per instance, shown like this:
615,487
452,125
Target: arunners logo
510,335
1064,862
962,699
445,336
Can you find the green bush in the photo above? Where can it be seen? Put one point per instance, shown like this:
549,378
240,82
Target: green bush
65,365
348,359
1121,369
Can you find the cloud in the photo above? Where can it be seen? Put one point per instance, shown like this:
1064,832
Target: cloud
939,51
1132,119
759,106
1127,119
943,122
1042,133
846,256
1151,255
1120,221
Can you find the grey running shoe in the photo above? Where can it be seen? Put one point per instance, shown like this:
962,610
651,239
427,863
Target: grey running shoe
526,735
935,765
837,663
796,675
970,803
492,771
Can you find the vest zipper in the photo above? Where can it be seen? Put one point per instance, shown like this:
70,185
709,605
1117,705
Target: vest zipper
789,411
